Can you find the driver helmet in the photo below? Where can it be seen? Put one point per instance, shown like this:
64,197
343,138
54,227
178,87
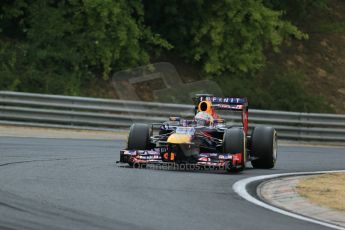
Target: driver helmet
203,119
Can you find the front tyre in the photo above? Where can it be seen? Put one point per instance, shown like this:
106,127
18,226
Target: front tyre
234,142
264,147
138,139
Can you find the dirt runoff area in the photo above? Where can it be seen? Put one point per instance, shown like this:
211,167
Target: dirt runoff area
18,131
327,190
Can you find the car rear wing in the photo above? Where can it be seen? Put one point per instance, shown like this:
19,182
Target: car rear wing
223,103
209,103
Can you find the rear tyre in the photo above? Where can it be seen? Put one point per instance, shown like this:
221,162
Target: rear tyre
138,138
264,147
234,142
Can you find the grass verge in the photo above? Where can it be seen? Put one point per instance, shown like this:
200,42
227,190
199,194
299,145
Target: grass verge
18,131
327,190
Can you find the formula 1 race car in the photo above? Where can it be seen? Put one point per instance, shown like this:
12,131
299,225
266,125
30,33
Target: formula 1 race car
204,141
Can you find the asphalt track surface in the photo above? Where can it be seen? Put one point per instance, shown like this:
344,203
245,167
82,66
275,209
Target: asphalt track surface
75,184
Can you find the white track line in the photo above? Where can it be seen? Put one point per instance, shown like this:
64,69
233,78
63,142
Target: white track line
240,188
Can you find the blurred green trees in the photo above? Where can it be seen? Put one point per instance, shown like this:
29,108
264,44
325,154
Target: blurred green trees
221,35
55,46
59,46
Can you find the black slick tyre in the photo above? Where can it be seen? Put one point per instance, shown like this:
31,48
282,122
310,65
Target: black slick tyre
264,147
138,139
234,142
